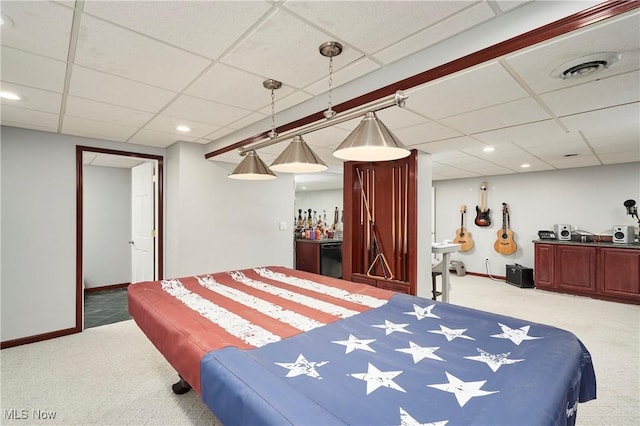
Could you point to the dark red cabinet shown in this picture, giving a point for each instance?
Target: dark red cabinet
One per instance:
(595, 270)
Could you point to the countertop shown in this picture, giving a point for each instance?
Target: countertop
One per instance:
(590, 244)
(320, 241)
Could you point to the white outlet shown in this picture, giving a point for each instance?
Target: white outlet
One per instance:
(283, 226)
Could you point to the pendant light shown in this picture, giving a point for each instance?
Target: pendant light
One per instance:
(252, 168)
(298, 158)
(371, 140)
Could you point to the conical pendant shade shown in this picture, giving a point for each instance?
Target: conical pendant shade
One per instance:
(252, 168)
(371, 141)
(298, 158)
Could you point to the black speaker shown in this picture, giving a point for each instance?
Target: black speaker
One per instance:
(623, 234)
(563, 232)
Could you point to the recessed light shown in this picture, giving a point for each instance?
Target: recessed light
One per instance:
(183, 129)
(9, 95)
(525, 165)
(488, 149)
(6, 20)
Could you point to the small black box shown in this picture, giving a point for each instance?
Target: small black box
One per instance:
(520, 276)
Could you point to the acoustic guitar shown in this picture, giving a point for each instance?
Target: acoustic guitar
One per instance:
(505, 244)
(482, 212)
(463, 237)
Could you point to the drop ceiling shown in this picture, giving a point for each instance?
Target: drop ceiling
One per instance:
(133, 71)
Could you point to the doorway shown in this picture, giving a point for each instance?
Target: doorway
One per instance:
(150, 246)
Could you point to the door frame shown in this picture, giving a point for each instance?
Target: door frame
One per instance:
(80, 150)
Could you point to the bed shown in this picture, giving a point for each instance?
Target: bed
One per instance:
(272, 345)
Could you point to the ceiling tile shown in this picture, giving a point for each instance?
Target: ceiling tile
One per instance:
(30, 19)
(344, 75)
(442, 30)
(606, 145)
(248, 120)
(329, 137)
(424, 133)
(466, 91)
(585, 160)
(619, 157)
(96, 129)
(451, 146)
(550, 151)
(544, 132)
(32, 70)
(352, 21)
(98, 111)
(35, 99)
(203, 111)
(168, 124)
(230, 86)
(204, 27)
(606, 92)
(271, 50)
(157, 139)
(510, 4)
(21, 117)
(619, 123)
(286, 102)
(90, 84)
(443, 171)
(114, 50)
(398, 118)
(503, 115)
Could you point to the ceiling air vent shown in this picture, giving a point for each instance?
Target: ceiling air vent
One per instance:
(586, 65)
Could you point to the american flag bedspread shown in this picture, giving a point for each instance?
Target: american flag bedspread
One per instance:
(359, 355)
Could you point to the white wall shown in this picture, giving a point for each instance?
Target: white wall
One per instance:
(327, 200)
(39, 229)
(589, 198)
(218, 223)
(107, 226)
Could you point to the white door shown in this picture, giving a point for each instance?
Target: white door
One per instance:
(142, 223)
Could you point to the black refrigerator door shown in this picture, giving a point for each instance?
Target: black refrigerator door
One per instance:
(331, 260)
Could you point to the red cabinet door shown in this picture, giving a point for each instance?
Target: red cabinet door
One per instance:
(620, 273)
(575, 268)
(308, 257)
(543, 266)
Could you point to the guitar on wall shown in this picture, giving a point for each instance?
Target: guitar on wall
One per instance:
(463, 237)
(505, 244)
(482, 212)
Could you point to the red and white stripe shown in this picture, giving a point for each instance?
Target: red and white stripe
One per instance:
(273, 310)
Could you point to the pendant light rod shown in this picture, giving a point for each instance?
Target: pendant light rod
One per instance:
(399, 99)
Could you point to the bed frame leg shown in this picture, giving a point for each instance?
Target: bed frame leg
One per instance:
(181, 386)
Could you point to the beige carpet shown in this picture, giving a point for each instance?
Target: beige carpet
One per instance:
(112, 375)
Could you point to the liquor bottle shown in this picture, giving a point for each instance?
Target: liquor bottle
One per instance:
(309, 220)
(300, 223)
